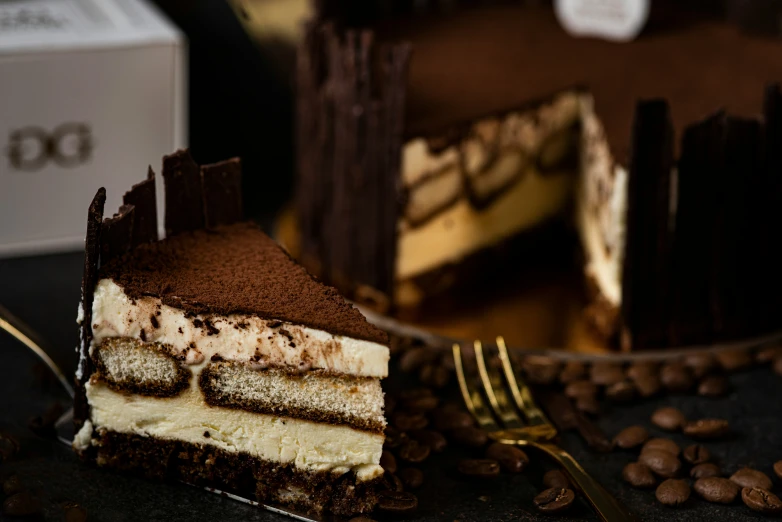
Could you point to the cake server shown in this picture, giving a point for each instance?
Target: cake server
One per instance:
(64, 425)
(504, 424)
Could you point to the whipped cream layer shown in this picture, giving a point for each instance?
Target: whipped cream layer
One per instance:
(235, 337)
(308, 446)
(601, 208)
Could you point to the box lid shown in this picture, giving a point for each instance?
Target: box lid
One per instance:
(62, 25)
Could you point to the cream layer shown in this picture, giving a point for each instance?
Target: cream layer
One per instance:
(462, 229)
(235, 337)
(306, 445)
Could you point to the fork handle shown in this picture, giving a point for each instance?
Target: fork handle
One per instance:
(604, 504)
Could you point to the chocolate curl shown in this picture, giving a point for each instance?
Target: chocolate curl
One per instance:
(88, 282)
(645, 274)
(143, 197)
(117, 234)
(184, 195)
(222, 190)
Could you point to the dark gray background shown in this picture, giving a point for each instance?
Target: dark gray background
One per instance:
(44, 292)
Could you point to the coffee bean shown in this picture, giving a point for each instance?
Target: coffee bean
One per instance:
(734, 360)
(74, 512)
(648, 386)
(700, 363)
(394, 438)
(707, 428)
(412, 478)
(662, 463)
(705, 470)
(541, 369)
(642, 370)
(409, 421)
(554, 500)
(578, 389)
(673, 492)
(415, 358)
(397, 502)
(470, 436)
(573, 371)
(431, 438)
(716, 489)
(421, 404)
(389, 404)
(696, 454)
(414, 451)
(662, 444)
(588, 405)
(751, 478)
(606, 373)
(12, 485)
(388, 461)
(434, 376)
(8, 447)
(362, 519)
(511, 458)
(450, 419)
(482, 468)
(622, 391)
(392, 483)
(768, 354)
(555, 479)
(761, 500)
(668, 418)
(638, 475)
(631, 437)
(778, 468)
(415, 393)
(713, 386)
(676, 377)
(21, 504)
(447, 362)
(777, 365)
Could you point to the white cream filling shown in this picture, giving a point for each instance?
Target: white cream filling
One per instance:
(81, 441)
(602, 230)
(240, 337)
(307, 445)
(462, 229)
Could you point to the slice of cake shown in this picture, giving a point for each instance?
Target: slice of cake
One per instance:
(493, 123)
(211, 357)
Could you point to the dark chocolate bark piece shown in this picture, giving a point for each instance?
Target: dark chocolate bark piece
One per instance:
(222, 188)
(184, 194)
(88, 282)
(116, 235)
(142, 197)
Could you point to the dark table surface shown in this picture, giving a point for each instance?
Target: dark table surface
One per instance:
(44, 292)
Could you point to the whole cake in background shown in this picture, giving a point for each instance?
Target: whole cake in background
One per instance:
(211, 357)
(428, 164)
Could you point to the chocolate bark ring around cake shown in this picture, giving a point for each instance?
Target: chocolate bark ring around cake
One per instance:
(542, 312)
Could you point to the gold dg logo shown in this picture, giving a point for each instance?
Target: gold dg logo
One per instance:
(68, 145)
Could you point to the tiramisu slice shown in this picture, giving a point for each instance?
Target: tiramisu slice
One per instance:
(213, 358)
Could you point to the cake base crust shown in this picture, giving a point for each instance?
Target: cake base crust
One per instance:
(238, 473)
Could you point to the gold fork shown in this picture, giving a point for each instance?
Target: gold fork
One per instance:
(537, 432)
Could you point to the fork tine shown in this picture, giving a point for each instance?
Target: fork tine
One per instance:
(521, 394)
(472, 398)
(495, 391)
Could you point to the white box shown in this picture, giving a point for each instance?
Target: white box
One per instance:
(91, 92)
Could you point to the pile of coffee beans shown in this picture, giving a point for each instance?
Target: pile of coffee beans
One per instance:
(662, 464)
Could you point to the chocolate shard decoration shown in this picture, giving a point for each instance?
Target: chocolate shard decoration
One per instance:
(116, 236)
(645, 274)
(184, 196)
(222, 188)
(702, 156)
(143, 197)
(88, 282)
(349, 142)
